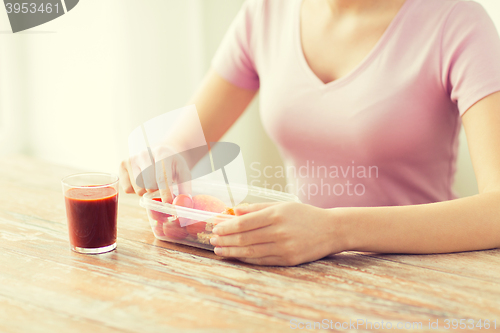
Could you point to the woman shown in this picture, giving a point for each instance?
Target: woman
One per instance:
(371, 83)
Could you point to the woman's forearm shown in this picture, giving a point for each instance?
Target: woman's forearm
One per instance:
(465, 224)
(219, 104)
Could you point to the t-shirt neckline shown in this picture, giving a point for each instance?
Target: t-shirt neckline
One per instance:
(361, 66)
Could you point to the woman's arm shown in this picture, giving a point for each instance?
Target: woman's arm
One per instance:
(290, 234)
(219, 104)
(471, 223)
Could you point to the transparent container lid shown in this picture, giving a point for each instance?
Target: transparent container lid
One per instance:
(220, 191)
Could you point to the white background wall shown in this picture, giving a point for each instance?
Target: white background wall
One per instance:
(72, 89)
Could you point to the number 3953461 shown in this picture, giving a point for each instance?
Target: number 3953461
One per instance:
(27, 8)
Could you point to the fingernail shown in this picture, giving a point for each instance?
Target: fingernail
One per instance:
(215, 230)
(213, 241)
(218, 251)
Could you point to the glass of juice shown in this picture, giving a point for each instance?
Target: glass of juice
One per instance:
(91, 207)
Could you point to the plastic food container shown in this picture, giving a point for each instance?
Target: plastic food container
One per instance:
(165, 218)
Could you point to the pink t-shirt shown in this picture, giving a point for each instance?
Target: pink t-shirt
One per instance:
(385, 134)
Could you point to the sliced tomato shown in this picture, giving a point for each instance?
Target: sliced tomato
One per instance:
(173, 230)
(195, 228)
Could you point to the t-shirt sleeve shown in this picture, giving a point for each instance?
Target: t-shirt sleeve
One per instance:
(471, 55)
(234, 59)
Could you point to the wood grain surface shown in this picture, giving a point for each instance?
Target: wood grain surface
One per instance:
(147, 285)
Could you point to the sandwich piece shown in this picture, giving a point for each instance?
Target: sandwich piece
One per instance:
(204, 237)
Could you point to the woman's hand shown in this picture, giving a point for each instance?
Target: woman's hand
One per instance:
(146, 172)
(219, 104)
(285, 234)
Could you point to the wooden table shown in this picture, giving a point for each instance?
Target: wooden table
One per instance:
(148, 285)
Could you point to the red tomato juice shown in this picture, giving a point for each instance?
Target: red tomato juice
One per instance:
(92, 213)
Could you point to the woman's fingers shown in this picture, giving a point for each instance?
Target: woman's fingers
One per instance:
(155, 169)
(242, 223)
(257, 236)
(252, 251)
(245, 209)
(137, 189)
(183, 175)
(127, 179)
(124, 178)
(143, 168)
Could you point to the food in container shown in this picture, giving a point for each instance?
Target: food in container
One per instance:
(192, 225)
